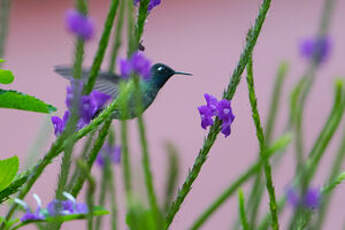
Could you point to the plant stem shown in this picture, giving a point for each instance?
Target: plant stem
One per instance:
(5, 6)
(112, 192)
(117, 37)
(130, 29)
(172, 175)
(142, 16)
(102, 46)
(102, 193)
(262, 143)
(241, 204)
(252, 170)
(215, 129)
(335, 170)
(92, 157)
(257, 190)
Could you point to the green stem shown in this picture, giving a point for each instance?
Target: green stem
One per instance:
(102, 193)
(112, 192)
(241, 204)
(335, 170)
(92, 157)
(130, 29)
(142, 16)
(5, 6)
(102, 46)
(172, 175)
(257, 190)
(85, 169)
(262, 143)
(251, 171)
(146, 158)
(215, 129)
(117, 37)
(127, 178)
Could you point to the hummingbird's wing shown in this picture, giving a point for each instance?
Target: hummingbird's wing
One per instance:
(106, 82)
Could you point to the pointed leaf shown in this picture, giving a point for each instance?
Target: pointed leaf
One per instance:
(6, 76)
(15, 100)
(8, 170)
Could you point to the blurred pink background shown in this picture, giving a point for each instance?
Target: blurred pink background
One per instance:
(202, 37)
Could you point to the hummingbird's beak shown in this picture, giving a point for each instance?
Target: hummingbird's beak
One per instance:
(183, 73)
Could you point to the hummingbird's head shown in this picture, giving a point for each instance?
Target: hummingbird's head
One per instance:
(161, 73)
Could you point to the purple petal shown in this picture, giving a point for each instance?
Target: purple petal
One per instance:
(224, 111)
(226, 128)
(312, 198)
(211, 102)
(117, 154)
(87, 108)
(125, 68)
(99, 98)
(141, 65)
(292, 197)
(81, 208)
(79, 24)
(206, 116)
(32, 216)
(58, 125)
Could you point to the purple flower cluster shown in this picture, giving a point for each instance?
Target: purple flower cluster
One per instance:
(80, 25)
(221, 109)
(318, 49)
(310, 200)
(54, 208)
(88, 106)
(137, 64)
(109, 152)
(152, 4)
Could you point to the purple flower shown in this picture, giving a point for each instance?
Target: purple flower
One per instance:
(212, 102)
(206, 115)
(312, 198)
(66, 207)
(37, 215)
(222, 109)
(318, 49)
(60, 124)
(88, 107)
(152, 4)
(125, 68)
(109, 152)
(141, 65)
(60, 208)
(137, 64)
(73, 90)
(292, 197)
(80, 25)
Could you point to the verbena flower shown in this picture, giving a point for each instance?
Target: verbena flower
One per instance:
(29, 215)
(137, 64)
(66, 207)
(110, 153)
(152, 4)
(310, 200)
(316, 48)
(221, 109)
(80, 25)
(89, 105)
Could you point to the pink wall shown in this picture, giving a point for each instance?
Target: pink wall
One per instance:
(202, 37)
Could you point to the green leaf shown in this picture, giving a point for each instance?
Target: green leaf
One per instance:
(15, 100)
(6, 76)
(2, 60)
(8, 168)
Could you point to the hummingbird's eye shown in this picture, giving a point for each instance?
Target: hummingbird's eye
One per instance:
(160, 69)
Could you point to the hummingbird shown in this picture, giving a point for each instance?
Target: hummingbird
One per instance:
(108, 83)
